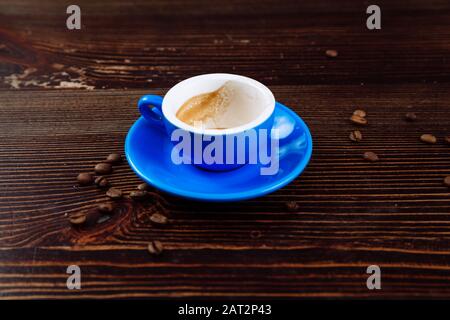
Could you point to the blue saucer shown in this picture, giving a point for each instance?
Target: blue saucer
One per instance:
(148, 149)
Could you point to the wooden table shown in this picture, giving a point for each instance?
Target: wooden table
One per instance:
(67, 99)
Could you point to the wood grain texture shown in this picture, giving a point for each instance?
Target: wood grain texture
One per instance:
(394, 213)
(156, 44)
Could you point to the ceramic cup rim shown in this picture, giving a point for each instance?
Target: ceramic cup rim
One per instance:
(266, 92)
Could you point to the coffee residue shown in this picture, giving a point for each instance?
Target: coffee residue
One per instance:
(205, 109)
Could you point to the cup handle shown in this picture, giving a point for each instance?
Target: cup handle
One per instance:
(150, 108)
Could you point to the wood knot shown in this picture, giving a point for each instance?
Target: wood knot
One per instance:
(99, 226)
(144, 210)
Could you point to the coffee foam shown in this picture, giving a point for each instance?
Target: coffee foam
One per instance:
(231, 105)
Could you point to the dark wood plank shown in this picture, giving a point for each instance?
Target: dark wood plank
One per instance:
(158, 43)
(394, 213)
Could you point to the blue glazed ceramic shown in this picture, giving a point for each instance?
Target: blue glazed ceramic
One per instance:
(162, 112)
(148, 151)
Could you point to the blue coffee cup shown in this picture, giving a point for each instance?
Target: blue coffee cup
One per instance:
(214, 149)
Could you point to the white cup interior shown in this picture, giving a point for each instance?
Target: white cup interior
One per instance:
(191, 87)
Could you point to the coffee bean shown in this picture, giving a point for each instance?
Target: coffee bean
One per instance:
(114, 193)
(428, 138)
(355, 136)
(370, 156)
(360, 113)
(138, 195)
(114, 158)
(92, 216)
(158, 219)
(103, 168)
(331, 53)
(85, 178)
(142, 186)
(358, 120)
(101, 182)
(77, 218)
(107, 207)
(291, 206)
(447, 140)
(410, 116)
(155, 247)
(447, 181)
